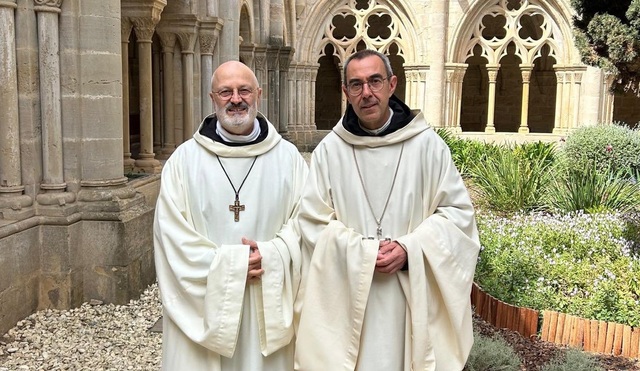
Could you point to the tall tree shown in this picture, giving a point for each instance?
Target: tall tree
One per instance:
(607, 35)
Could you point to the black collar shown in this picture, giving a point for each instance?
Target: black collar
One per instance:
(209, 130)
(402, 116)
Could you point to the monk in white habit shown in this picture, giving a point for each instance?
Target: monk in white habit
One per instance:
(226, 252)
(389, 239)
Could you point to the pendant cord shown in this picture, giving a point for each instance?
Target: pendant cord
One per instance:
(237, 192)
(366, 195)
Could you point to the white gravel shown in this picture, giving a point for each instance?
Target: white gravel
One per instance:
(92, 337)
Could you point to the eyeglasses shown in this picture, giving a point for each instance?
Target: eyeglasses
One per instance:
(354, 88)
(228, 93)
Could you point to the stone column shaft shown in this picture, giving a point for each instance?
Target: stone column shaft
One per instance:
(144, 28)
(10, 177)
(50, 106)
(168, 41)
(128, 162)
(524, 113)
(493, 74)
(285, 93)
(157, 103)
(273, 78)
(577, 96)
(208, 37)
(557, 126)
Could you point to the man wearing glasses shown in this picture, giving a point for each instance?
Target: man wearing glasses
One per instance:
(226, 252)
(389, 238)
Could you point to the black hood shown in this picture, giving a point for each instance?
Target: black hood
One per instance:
(402, 116)
(208, 130)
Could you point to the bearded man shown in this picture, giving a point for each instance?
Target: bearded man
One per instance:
(226, 252)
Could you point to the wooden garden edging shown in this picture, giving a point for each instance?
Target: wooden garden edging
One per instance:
(559, 328)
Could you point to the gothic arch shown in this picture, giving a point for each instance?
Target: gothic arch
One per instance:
(555, 31)
(247, 30)
(516, 46)
(313, 35)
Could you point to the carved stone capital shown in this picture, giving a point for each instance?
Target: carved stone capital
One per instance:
(208, 35)
(167, 40)
(187, 40)
(272, 59)
(125, 29)
(144, 28)
(47, 6)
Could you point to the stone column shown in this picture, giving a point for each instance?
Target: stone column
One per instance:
(557, 126)
(454, 73)
(144, 29)
(157, 102)
(126, 28)
(567, 112)
(525, 70)
(292, 119)
(208, 36)
(11, 188)
(458, 80)
(607, 98)
(260, 60)
(229, 40)
(53, 183)
(168, 41)
(492, 70)
(438, 25)
(247, 56)
(273, 94)
(577, 95)
(186, 28)
(285, 94)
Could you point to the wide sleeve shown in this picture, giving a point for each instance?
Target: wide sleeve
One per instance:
(338, 286)
(201, 284)
(442, 253)
(281, 261)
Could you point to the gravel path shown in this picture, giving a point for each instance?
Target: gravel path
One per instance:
(92, 337)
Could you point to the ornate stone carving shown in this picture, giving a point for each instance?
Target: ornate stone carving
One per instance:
(168, 41)
(49, 3)
(125, 29)
(187, 40)
(144, 28)
(260, 61)
(207, 42)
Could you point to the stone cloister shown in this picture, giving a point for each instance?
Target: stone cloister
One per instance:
(97, 93)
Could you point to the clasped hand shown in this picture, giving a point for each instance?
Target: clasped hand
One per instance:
(254, 271)
(391, 257)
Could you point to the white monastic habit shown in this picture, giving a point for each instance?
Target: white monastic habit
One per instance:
(353, 318)
(212, 318)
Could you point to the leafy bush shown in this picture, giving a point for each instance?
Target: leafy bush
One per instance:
(514, 179)
(466, 152)
(573, 360)
(491, 354)
(592, 191)
(577, 263)
(608, 147)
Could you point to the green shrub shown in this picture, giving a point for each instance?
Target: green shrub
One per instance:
(577, 263)
(466, 152)
(573, 360)
(591, 190)
(611, 147)
(514, 179)
(491, 354)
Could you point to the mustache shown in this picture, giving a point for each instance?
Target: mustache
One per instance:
(231, 105)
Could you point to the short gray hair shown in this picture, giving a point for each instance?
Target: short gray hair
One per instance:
(361, 54)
